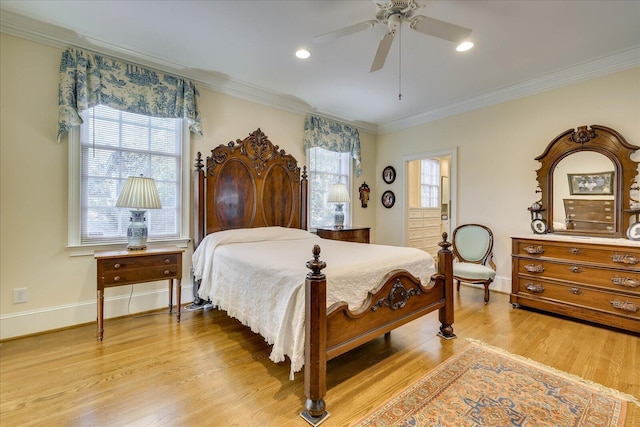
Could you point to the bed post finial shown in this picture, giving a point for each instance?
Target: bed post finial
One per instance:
(315, 341)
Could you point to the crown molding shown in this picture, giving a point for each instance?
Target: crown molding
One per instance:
(600, 67)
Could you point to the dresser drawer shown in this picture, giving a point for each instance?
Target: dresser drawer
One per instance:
(416, 243)
(415, 213)
(623, 258)
(432, 232)
(582, 296)
(416, 233)
(615, 280)
(415, 223)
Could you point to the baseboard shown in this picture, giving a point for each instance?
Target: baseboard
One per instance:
(51, 318)
(500, 284)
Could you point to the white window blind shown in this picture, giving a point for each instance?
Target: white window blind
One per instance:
(115, 145)
(430, 183)
(326, 168)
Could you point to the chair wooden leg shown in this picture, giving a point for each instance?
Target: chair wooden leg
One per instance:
(486, 292)
(458, 287)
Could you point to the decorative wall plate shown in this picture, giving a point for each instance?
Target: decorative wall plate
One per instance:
(633, 232)
(389, 174)
(539, 226)
(388, 199)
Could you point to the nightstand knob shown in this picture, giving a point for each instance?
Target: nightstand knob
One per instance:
(116, 279)
(167, 261)
(166, 272)
(116, 266)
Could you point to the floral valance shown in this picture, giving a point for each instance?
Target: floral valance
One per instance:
(88, 79)
(332, 136)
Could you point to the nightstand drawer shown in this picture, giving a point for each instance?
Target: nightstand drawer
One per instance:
(126, 263)
(139, 275)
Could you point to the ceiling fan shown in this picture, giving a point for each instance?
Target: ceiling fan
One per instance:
(392, 14)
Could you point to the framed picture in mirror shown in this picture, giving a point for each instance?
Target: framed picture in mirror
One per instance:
(591, 183)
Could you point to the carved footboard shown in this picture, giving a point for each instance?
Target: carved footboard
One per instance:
(398, 300)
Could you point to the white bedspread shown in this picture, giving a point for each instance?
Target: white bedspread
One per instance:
(257, 276)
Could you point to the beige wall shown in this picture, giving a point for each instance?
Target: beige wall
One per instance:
(496, 147)
(34, 181)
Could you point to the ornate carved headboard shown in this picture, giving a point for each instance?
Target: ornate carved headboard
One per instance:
(248, 183)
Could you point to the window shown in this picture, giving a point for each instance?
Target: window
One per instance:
(326, 168)
(110, 146)
(430, 183)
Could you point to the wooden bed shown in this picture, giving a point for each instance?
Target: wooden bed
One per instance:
(253, 183)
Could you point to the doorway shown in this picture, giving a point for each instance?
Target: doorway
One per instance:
(427, 215)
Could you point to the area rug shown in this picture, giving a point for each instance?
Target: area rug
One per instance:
(486, 386)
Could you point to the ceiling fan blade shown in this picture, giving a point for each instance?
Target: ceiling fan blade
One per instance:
(345, 31)
(383, 51)
(441, 29)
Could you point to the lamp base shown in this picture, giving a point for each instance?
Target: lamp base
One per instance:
(338, 217)
(137, 232)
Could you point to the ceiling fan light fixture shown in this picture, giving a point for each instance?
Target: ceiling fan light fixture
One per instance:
(303, 54)
(464, 46)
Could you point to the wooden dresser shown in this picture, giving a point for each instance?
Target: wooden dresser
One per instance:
(423, 229)
(589, 214)
(594, 279)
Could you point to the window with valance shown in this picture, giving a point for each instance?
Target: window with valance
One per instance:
(331, 149)
(124, 120)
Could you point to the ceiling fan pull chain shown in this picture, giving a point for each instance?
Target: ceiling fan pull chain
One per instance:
(400, 63)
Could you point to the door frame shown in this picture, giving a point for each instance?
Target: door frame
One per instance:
(453, 186)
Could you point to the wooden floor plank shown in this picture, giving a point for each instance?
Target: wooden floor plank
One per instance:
(211, 370)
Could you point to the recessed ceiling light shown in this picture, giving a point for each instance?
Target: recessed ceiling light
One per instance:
(303, 54)
(464, 46)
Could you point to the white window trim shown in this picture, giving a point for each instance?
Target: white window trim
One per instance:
(78, 249)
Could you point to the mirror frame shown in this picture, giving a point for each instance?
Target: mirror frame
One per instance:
(600, 139)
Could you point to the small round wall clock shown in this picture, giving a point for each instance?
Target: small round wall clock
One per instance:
(389, 174)
(388, 199)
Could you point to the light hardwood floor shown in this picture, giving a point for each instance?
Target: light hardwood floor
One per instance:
(210, 370)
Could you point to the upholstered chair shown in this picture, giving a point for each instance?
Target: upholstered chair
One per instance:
(473, 256)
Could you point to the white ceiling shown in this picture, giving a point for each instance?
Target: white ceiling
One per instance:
(246, 48)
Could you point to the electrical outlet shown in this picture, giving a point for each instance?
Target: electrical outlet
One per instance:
(19, 295)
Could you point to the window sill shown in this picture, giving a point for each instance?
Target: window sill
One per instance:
(87, 250)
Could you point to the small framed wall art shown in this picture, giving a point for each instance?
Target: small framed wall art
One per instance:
(389, 174)
(388, 199)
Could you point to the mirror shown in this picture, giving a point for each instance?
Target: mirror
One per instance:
(583, 194)
(585, 181)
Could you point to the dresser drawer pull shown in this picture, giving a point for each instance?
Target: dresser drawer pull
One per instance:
(575, 251)
(167, 260)
(532, 250)
(625, 259)
(537, 268)
(116, 266)
(575, 291)
(575, 269)
(166, 272)
(625, 281)
(116, 279)
(625, 305)
(535, 288)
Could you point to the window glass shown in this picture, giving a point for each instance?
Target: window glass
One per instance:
(430, 183)
(326, 168)
(115, 145)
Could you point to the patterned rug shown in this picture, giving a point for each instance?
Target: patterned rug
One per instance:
(486, 386)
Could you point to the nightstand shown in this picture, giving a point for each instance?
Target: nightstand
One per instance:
(346, 234)
(124, 267)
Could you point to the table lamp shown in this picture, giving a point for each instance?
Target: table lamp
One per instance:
(339, 195)
(139, 194)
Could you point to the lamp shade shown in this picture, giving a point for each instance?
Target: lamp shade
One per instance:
(139, 193)
(338, 194)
